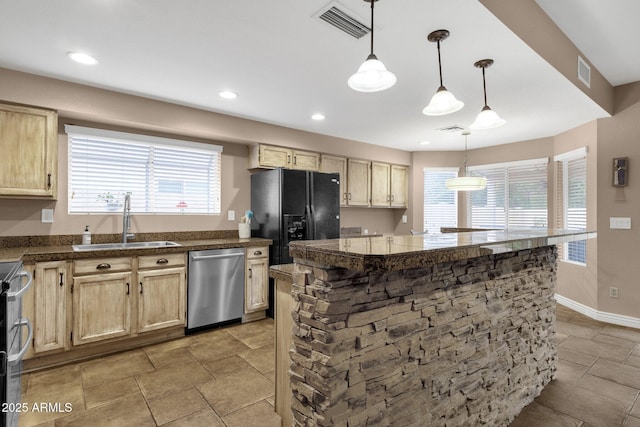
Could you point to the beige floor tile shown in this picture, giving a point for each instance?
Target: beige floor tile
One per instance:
(570, 372)
(271, 375)
(633, 360)
(616, 372)
(536, 415)
(575, 330)
(217, 347)
(60, 375)
(226, 366)
(586, 405)
(204, 418)
(263, 358)
(609, 351)
(576, 356)
(237, 390)
(173, 406)
(115, 367)
(170, 357)
(258, 414)
(629, 334)
(621, 393)
(631, 422)
(107, 392)
(635, 411)
(51, 392)
(121, 413)
(616, 341)
(172, 379)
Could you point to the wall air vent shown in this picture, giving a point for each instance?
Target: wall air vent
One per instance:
(584, 71)
(336, 15)
(451, 128)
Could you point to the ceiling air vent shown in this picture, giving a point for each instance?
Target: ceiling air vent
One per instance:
(451, 128)
(337, 16)
(584, 71)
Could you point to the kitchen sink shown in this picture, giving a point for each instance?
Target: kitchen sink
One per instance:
(128, 245)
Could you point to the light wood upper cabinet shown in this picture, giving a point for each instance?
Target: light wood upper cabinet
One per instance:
(271, 156)
(380, 184)
(29, 140)
(256, 290)
(335, 164)
(399, 186)
(50, 298)
(162, 292)
(358, 182)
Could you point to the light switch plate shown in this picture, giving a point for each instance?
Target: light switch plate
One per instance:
(231, 215)
(621, 223)
(47, 216)
(404, 219)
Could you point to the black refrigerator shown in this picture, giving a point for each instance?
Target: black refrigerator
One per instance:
(291, 205)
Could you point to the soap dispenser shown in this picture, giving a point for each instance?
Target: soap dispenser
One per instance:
(86, 236)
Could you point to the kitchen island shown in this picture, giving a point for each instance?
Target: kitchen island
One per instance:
(438, 330)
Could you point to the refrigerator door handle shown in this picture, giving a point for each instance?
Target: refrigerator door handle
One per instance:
(310, 226)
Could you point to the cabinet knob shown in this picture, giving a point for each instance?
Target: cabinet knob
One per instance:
(257, 253)
(162, 261)
(103, 266)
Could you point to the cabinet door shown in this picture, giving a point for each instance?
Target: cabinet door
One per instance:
(101, 307)
(50, 317)
(274, 157)
(256, 289)
(305, 160)
(358, 182)
(161, 299)
(380, 184)
(333, 164)
(29, 140)
(399, 186)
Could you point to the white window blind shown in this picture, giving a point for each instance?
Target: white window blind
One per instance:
(572, 201)
(163, 176)
(515, 196)
(440, 204)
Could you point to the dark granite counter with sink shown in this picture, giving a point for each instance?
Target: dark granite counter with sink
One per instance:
(436, 329)
(60, 247)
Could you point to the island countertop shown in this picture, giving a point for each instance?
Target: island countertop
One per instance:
(379, 254)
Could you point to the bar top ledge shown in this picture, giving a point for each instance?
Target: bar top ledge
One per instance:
(393, 253)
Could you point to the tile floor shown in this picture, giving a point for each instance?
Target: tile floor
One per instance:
(225, 377)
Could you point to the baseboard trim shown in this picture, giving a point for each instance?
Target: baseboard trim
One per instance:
(616, 319)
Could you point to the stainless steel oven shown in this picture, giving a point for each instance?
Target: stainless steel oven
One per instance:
(15, 283)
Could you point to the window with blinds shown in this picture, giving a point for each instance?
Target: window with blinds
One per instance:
(572, 201)
(162, 175)
(515, 195)
(440, 204)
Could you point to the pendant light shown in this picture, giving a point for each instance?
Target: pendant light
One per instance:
(443, 102)
(466, 182)
(487, 118)
(372, 76)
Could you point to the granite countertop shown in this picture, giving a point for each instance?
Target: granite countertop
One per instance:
(379, 254)
(282, 272)
(41, 250)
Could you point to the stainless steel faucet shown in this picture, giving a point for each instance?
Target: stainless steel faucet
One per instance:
(126, 219)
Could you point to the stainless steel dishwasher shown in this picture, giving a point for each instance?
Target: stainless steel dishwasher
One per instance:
(216, 288)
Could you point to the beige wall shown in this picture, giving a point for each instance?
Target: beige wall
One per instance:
(83, 105)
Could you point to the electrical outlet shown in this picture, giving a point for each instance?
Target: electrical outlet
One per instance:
(404, 219)
(47, 216)
(231, 215)
(613, 292)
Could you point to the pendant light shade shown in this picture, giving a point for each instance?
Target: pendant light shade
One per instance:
(466, 182)
(443, 102)
(372, 76)
(487, 118)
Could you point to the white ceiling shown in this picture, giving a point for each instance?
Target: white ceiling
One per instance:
(286, 64)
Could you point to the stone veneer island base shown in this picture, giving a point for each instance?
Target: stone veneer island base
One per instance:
(458, 334)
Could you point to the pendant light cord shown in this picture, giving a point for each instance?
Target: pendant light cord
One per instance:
(465, 155)
(439, 63)
(484, 87)
(372, 2)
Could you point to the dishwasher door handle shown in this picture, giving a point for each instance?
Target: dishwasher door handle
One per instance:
(201, 257)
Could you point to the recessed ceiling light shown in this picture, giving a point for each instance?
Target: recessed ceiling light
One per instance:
(318, 116)
(227, 94)
(425, 142)
(82, 58)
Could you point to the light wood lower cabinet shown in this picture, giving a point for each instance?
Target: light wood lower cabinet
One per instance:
(101, 307)
(162, 292)
(50, 288)
(256, 289)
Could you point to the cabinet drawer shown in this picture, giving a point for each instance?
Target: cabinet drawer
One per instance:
(259, 252)
(101, 265)
(161, 261)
